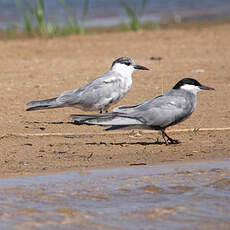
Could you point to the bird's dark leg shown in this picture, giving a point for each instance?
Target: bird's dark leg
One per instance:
(172, 141)
(106, 109)
(101, 111)
(164, 135)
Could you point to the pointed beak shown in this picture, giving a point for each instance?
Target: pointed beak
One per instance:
(140, 67)
(204, 87)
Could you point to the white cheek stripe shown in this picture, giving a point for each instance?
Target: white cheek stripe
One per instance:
(124, 70)
(191, 88)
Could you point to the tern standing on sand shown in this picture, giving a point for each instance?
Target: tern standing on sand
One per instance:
(98, 94)
(158, 113)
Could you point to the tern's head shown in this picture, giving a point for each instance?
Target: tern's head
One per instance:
(124, 66)
(191, 85)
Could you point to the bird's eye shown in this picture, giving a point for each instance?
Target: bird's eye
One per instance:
(128, 63)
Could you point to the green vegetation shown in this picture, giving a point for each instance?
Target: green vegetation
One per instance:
(133, 14)
(35, 23)
(73, 26)
(36, 14)
(27, 21)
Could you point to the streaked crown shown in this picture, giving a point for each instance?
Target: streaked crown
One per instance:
(124, 60)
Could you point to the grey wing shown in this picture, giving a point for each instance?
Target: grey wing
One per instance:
(162, 111)
(97, 93)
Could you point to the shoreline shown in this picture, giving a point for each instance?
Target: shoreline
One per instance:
(86, 171)
(146, 26)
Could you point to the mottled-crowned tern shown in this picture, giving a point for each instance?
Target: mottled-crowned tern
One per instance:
(98, 94)
(158, 113)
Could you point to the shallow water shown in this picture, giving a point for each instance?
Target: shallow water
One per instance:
(157, 11)
(172, 196)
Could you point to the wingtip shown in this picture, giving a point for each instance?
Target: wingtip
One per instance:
(30, 109)
(72, 116)
(30, 103)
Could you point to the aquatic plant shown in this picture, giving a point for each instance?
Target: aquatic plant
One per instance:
(36, 24)
(27, 21)
(73, 26)
(35, 12)
(133, 14)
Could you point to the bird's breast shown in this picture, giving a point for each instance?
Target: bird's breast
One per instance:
(125, 84)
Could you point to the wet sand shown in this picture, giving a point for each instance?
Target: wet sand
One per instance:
(40, 68)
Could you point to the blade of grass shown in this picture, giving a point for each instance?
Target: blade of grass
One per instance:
(39, 15)
(132, 15)
(26, 18)
(73, 21)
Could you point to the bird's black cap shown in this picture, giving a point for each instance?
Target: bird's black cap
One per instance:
(186, 81)
(191, 81)
(124, 60)
(128, 61)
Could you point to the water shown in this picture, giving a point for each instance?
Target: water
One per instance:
(172, 196)
(108, 13)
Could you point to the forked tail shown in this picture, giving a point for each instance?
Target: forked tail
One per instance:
(43, 104)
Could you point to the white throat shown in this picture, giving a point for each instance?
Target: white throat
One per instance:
(191, 88)
(123, 70)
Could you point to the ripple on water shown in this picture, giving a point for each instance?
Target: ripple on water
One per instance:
(172, 196)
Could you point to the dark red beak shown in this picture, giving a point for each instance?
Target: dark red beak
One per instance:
(204, 87)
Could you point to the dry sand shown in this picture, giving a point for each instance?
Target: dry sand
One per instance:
(40, 68)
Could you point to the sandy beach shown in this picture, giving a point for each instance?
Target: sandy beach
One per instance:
(46, 141)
